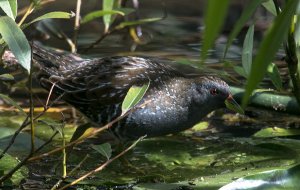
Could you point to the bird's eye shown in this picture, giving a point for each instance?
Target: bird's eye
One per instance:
(214, 91)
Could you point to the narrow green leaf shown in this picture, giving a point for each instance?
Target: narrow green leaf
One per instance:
(269, 46)
(107, 5)
(270, 6)
(12, 102)
(137, 22)
(103, 149)
(297, 30)
(274, 75)
(297, 33)
(247, 50)
(96, 14)
(16, 41)
(125, 11)
(56, 14)
(9, 7)
(240, 70)
(7, 77)
(213, 20)
(134, 95)
(247, 13)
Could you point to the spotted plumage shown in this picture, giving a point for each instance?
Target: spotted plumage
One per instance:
(97, 87)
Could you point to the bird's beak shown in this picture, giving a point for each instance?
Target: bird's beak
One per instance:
(233, 105)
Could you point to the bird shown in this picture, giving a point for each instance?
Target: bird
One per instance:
(177, 98)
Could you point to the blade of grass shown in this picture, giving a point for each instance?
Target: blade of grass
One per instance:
(55, 14)
(247, 50)
(96, 14)
(274, 75)
(215, 14)
(137, 22)
(270, 6)
(247, 13)
(107, 5)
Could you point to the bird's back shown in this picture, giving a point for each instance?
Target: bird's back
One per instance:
(96, 87)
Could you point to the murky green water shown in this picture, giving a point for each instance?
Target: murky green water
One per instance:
(210, 155)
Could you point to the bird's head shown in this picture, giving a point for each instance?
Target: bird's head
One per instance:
(212, 93)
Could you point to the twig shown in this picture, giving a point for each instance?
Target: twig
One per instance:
(64, 159)
(31, 109)
(77, 24)
(102, 166)
(49, 94)
(23, 10)
(27, 13)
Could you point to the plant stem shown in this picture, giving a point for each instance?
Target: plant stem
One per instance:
(31, 110)
(27, 13)
(77, 24)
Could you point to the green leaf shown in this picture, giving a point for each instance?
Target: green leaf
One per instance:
(270, 6)
(125, 11)
(56, 14)
(9, 7)
(134, 95)
(240, 70)
(12, 102)
(269, 46)
(6, 164)
(16, 41)
(297, 33)
(246, 15)
(56, 126)
(107, 5)
(103, 149)
(269, 180)
(247, 50)
(213, 20)
(137, 22)
(7, 77)
(96, 14)
(274, 75)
